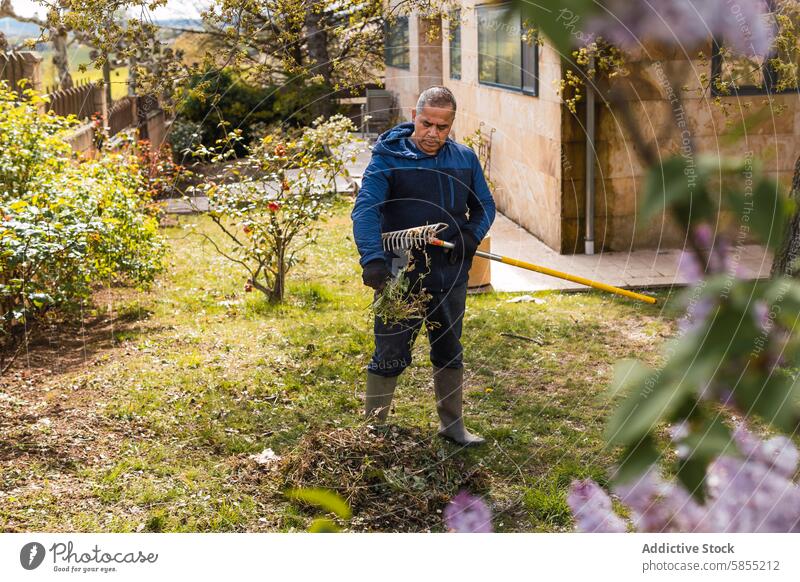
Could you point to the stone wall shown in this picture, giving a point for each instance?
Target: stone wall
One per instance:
(525, 155)
(619, 173)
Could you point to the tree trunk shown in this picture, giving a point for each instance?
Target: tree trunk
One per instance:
(790, 248)
(60, 58)
(319, 58)
(279, 288)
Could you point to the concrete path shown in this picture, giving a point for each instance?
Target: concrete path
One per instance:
(636, 269)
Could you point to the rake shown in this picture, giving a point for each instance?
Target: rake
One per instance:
(418, 237)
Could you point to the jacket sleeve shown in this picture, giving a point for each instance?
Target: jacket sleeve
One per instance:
(366, 214)
(480, 203)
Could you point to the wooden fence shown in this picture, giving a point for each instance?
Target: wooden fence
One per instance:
(15, 66)
(80, 100)
(121, 115)
(142, 113)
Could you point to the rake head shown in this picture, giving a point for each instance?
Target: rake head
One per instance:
(411, 238)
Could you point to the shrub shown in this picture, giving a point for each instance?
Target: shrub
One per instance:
(285, 186)
(157, 168)
(184, 135)
(219, 97)
(66, 224)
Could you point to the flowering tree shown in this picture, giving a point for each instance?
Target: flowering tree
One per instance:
(282, 188)
(749, 490)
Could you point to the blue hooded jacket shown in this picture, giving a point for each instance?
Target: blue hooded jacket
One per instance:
(404, 187)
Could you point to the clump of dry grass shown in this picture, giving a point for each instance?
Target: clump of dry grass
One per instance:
(399, 301)
(393, 478)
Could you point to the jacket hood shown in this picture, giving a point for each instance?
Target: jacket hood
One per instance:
(395, 142)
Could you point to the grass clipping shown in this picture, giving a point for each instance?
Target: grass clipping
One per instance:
(395, 479)
(398, 303)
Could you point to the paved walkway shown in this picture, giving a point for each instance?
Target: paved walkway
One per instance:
(634, 270)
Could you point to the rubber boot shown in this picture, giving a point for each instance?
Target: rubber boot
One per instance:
(380, 391)
(448, 383)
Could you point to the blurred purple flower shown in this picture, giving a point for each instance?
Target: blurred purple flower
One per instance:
(752, 493)
(467, 514)
(778, 453)
(689, 267)
(747, 496)
(761, 315)
(686, 23)
(660, 506)
(719, 255)
(592, 509)
(703, 235)
(696, 313)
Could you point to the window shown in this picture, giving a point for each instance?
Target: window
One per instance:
(505, 59)
(735, 74)
(455, 43)
(396, 51)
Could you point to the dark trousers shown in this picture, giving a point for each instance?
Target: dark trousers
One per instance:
(393, 343)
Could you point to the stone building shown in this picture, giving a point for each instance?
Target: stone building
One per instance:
(510, 89)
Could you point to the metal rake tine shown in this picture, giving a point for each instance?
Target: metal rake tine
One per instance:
(411, 238)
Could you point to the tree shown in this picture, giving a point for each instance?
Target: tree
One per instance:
(328, 44)
(58, 36)
(785, 257)
(736, 344)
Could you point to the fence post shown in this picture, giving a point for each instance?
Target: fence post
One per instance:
(99, 103)
(31, 69)
(15, 66)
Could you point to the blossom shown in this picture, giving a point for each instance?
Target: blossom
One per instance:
(467, 514)
(591, 507)
(273, 206)
(660, 506)
(741, 23)
(753, 492)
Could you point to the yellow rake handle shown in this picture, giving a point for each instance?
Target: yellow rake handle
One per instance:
(552, 273)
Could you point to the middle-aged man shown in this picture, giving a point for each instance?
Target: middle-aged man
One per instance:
(417, 176)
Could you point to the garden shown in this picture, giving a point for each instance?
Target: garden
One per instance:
(203, 372)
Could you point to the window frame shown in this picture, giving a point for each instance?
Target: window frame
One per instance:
(771, 76)
(406, 48)
(769, 73)
(534, 47)
(455, 15)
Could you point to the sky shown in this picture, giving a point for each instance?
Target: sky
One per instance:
(173, 9)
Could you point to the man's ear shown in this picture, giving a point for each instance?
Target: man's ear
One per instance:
(413, 113)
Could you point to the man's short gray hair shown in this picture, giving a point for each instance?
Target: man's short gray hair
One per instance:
(436, 96)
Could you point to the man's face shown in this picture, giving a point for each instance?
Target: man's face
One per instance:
(431, 127)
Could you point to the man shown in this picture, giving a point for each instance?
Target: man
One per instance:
(417, 176)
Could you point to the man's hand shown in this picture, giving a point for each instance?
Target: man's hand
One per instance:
(466, 245)
(376, 274)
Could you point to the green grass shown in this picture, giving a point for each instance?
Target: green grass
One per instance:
(79, 55)
(200, 374)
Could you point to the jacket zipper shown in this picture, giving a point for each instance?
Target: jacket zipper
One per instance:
(452, 193)
(441, 209)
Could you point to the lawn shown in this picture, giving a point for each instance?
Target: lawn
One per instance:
(79, 55)
(143, 415)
